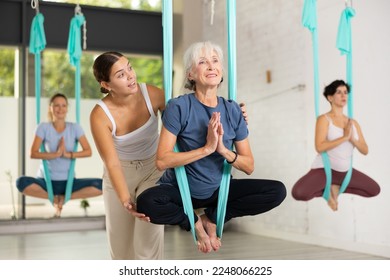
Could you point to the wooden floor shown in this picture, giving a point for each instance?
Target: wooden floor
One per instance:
(179, 245)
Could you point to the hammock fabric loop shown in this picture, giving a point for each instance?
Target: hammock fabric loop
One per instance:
(75, 53)
(36, 46)
(344, 44)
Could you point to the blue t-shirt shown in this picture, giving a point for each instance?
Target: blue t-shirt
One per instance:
(58, 167)
(188, 119)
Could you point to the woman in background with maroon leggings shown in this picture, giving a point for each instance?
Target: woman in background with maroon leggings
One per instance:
(337, 135)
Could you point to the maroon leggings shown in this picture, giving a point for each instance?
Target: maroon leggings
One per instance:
(313, 183)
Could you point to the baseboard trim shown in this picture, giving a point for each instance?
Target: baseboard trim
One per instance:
(51, 225)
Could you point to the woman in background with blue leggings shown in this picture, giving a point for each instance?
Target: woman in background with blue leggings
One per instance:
(59, 136)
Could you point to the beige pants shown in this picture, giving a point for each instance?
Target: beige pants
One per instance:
(130, 238)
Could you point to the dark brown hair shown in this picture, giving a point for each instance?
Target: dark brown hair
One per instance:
(102, 67)
(332, 88)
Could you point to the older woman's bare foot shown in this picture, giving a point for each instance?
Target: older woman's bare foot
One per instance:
(211, 230)
(204, 244)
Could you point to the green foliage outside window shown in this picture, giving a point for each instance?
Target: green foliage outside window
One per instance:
(7, 70)
(59, 75)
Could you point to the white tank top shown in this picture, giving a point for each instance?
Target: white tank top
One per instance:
(340, 156)
(141, 143)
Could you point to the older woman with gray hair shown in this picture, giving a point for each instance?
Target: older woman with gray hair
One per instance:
(205, 126)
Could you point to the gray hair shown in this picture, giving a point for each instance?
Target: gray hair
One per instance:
(192, 55)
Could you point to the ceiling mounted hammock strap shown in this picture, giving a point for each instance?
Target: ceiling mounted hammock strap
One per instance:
(344, 44)
(180, 171)
(75, 53)
(232, 93)
(309, 20)
(167, 17)
(36, 46)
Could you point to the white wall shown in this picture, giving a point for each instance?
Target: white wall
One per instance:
(282, 118)
(9, 148)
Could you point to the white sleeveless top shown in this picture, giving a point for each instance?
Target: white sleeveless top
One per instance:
(141, 143)
(340, 156)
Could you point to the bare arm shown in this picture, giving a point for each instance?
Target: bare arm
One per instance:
(321, 142)
(167, 158)
(244, 161)
(35, 152)
(360, 144)
(85, 152)
(244, 112)
(101, 131)
(157, 98)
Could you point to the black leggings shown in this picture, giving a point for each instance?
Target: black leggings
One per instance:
(313, 183)
(163, 203)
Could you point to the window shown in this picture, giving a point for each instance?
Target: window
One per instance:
(7, 70)
(9, 125)
(58, 74)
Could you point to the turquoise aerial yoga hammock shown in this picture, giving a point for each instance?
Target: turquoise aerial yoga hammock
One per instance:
(232, 93)
(75, 52)
(344, 43)
(36, 46)
(180, 170)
